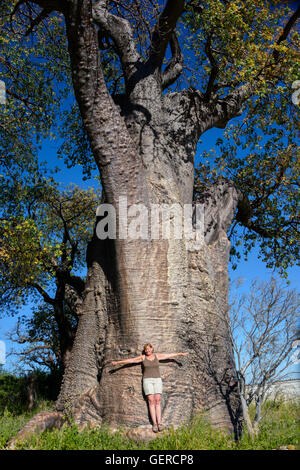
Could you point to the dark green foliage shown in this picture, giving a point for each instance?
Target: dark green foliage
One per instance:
(14, 389)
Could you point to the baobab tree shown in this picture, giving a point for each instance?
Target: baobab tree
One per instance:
(170, 292)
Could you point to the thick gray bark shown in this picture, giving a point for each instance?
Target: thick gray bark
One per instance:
(208, 298)
(172, 293)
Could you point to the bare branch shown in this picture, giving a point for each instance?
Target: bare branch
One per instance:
(38, 351)
(47, 6)
(174, 68)
(214, 69)
(121, 33)
(163, 30)
(263, 325)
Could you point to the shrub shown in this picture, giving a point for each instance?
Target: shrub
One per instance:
(14, 389)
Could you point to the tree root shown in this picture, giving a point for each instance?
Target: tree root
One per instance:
(52, 419)
(38, 423)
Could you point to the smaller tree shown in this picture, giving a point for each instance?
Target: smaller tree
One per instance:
(263, 328)
(39, 339)
(43, 244)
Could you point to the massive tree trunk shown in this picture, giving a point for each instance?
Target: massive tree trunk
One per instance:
(170, 292)
(167, 291)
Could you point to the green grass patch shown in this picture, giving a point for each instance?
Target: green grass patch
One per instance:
(281, 427)
(12, 422)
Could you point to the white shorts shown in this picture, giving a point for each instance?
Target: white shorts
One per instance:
(152, 386)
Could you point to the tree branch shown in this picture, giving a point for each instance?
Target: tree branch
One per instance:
(244, 216)
(231, 105)
(44, 294)
(38, 19)
(286, 31)
(47, 5)
(214, 69)
(174, 68)
(121, 33)
(218, 111)
(162, 32)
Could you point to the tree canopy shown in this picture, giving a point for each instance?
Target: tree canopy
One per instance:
(259, 151)
(46, 240)
(215, 48)
(44, 228)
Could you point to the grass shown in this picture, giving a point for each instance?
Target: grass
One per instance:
(280, 428)
(11, 423)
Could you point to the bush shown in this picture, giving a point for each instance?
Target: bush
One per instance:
(13, 396)
(14, 389)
